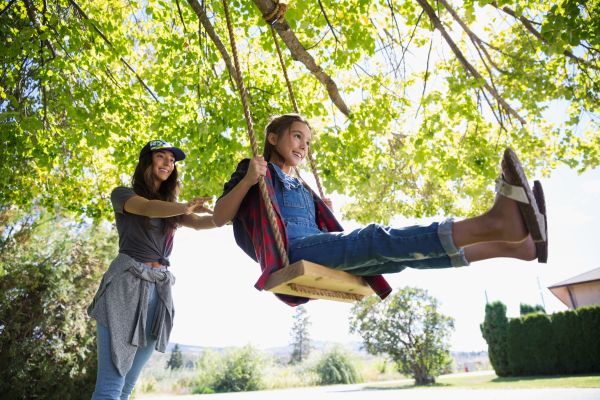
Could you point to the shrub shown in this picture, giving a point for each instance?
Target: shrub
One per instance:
(335, 367)
(540, 344)
(517, 348)
(561, 343)
(201, 389)
(529, 309)
(531, 348)
(569, 343)
(207, 366)
(49, 270)
(241, 372)
(590, 326)
(495, 332)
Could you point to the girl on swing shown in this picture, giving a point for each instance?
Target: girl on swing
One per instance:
(513, 227)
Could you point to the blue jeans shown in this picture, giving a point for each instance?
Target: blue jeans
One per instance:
(109, 384)
(377, 249)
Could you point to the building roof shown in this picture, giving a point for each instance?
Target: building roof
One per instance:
(593, 275)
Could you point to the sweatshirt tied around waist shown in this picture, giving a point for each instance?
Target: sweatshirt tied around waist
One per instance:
(121, 305)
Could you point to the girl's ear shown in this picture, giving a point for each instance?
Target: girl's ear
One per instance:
(272, 138)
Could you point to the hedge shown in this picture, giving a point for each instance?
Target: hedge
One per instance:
(539, 344)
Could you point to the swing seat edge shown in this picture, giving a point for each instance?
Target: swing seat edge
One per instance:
(308, 279)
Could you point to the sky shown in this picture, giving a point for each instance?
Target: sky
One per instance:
(217, 305)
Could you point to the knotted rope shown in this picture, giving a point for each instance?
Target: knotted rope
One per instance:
(276, 13)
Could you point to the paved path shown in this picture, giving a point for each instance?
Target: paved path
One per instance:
(362, 392)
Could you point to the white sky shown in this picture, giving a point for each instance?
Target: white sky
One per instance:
(217, 305)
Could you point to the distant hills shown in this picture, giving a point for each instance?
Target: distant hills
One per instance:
(355, 347)
(471, 360)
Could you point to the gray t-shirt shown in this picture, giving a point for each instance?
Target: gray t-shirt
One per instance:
(141, 238)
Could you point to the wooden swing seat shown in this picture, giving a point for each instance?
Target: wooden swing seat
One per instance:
(307, 279)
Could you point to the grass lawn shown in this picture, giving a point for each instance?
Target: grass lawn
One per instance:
(491, 381)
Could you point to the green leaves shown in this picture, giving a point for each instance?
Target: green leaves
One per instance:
(424, 136)
(408, 328)
(49, 269)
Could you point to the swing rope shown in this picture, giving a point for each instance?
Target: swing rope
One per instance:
(261, 180)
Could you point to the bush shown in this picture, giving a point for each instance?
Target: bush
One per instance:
(564, 342)
(335, 367)
(49, 271)
(567, 334)
(541, 349)
(241, 372)
(590, 326)
(495, 332)
(201, 389)
(207, 366)
(531, 348)
(517, 350)
(529, 309)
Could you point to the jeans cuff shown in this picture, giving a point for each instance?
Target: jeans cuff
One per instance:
(457, 256)
(459, 260)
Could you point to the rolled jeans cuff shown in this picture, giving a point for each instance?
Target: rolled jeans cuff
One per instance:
(457, 256)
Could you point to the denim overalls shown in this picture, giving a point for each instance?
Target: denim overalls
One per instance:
(370, 250)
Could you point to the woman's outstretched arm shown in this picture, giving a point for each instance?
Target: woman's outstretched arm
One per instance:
(162, 209)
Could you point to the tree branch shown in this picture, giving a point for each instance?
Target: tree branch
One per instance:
(425, 78)
(10, 3)
(527, 24)
(38, 27)
(181, 16)
(210, 30)
(477, 42)
(437, 23)
(327, 20)
(299, 53)
(139, 79)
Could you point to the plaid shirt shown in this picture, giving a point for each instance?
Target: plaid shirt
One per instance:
(253, 234)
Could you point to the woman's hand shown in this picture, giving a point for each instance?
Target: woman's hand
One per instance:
(328, 202)
(197, 205)
(256, 168)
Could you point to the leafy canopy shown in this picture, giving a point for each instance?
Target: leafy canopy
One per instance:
(436, 91)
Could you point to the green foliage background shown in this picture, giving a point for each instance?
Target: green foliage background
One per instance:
(423, 136)
(49, 270)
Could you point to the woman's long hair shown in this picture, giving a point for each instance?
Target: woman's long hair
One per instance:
(142, 182)
(278, 125)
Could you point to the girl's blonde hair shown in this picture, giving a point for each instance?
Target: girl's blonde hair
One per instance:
(278, 125)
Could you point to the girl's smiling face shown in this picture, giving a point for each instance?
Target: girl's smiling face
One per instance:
(163, 162)
(291, 146)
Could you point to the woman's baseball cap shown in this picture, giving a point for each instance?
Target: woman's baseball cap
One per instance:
(154, 145)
